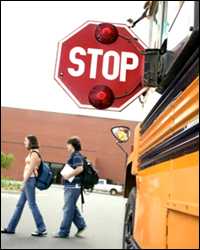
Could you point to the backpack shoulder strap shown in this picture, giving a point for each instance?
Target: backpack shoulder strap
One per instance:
(37, 154)
(82, 198)
(84, 157)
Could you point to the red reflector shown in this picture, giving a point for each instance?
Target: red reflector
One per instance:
(106, 33)
(101, 97)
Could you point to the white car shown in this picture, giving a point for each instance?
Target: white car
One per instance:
(106, 186)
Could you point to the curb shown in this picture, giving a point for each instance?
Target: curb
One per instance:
(9, 191)
(18, 191)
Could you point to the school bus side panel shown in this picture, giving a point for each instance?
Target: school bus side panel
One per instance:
(151, 213)
(173, 180)
(182, 217)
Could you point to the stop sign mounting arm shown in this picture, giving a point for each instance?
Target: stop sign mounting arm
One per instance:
(130, 40)
(127, 93)
(133, 23)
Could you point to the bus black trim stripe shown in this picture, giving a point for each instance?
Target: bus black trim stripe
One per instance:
(186, 141)
(179, 151)
(178, 137)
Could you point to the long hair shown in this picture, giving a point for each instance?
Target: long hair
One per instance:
(33, 142)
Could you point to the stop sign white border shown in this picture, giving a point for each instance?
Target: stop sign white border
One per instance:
(68, 91)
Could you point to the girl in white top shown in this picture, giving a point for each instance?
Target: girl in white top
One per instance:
(32, 163)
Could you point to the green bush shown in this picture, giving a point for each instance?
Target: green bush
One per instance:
(3, 159)
(10, 184)
(6, 160)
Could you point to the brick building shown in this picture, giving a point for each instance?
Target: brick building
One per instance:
(52, 130)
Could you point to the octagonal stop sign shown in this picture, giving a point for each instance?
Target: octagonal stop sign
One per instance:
(102, 64)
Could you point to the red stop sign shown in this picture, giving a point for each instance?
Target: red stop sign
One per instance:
(84, 62)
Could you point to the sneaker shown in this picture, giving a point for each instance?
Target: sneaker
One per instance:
(57, 235)
(39, 234)
(5, 231)
(80, 232)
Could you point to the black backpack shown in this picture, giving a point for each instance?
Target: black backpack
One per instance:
(89, 177)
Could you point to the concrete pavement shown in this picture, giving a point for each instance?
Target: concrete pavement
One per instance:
(103, 213)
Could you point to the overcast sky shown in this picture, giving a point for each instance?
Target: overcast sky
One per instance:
(30, 33)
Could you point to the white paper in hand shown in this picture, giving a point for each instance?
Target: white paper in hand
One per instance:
(67, 170)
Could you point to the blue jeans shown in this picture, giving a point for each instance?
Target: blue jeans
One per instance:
(28, 194)
(71, 212)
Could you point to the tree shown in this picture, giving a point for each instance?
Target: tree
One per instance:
(6, 160)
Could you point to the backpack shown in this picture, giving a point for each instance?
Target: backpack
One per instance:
(89, 177)
(45, 175)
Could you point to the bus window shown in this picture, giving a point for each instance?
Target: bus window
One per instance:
(180, 19)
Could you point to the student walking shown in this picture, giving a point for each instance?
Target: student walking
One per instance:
(72, 190)
(32, 163)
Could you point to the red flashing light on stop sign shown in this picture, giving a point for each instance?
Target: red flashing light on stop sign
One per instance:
(106, 33)
(101, 97)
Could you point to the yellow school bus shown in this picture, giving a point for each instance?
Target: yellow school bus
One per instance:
(161, 183)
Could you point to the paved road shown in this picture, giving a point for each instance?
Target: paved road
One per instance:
(104, 215)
